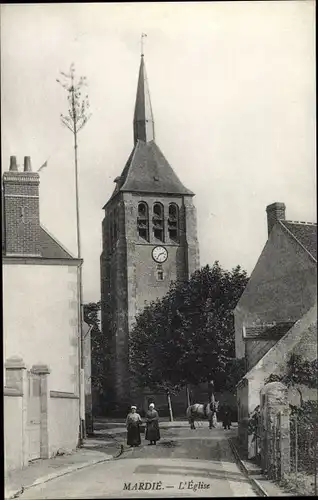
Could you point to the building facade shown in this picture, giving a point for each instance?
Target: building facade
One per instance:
(277, 312)
(40, 328)
(149, 238)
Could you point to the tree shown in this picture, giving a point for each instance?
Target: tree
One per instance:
(187, 337)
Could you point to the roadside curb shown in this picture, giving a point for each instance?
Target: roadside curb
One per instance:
(63, 472)
(257, 486)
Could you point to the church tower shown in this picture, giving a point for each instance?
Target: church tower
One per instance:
(149, 238)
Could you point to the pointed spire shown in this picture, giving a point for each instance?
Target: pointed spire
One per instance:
(144, 127)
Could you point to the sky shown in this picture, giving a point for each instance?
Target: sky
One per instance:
(232, 86)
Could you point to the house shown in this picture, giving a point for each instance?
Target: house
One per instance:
(276, 313)
(40, 328)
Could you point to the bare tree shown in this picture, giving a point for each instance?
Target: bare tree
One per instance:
(77, 116)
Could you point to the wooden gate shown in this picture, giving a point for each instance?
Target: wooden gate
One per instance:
(34, 416)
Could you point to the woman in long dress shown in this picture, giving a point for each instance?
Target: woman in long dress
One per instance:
(152, 429)
(133, 422)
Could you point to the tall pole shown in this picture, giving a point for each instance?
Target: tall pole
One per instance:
(82, 430)
(78, 116)
(76, 176)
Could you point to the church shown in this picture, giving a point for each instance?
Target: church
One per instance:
(149, 239)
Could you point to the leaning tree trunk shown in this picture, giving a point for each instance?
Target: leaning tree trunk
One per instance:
(188, 396)
(170, 406)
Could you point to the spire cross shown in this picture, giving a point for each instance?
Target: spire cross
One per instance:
(143, 35)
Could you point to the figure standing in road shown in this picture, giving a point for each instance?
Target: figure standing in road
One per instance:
(133, 423)
(226, 417)
(152, 429)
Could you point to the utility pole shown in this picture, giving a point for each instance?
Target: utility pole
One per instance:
(77, 117)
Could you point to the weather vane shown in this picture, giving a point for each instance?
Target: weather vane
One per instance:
(143, 35)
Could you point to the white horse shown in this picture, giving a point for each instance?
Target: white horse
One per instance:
(199, 411)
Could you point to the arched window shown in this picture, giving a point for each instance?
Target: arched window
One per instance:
(143, 220)
(173, 222)
(158, 221)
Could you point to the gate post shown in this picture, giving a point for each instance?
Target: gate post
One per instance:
(16, 377)
(273, 399)
(43, 371)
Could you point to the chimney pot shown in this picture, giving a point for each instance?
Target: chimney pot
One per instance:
(27, 164)
(275, 212)
(13, 164)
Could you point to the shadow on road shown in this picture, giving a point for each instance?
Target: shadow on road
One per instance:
(183, 470)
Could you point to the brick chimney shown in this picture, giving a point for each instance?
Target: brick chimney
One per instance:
(275, 212)
(21, 210)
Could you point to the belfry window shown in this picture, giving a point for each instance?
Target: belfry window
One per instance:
(158, 221)
(173, 222)
(143, 220)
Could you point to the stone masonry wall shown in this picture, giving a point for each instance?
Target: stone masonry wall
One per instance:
(129, 274)
(282, 287)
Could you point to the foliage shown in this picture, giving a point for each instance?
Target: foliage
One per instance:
(235, 370)
(99, 351)
(187, 337)
(307, 413)
(253, 422)
(299, 371)
(273, 378)
(303, 433)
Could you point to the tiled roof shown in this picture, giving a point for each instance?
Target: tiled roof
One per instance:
(147, 170)
(51, 248)
(270, 331)
(274, 359)
(304, 233)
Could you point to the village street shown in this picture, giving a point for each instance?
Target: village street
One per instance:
(183, 463)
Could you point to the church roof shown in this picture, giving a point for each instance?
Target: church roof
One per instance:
(305, 233)
(147, 170)
(144, 126)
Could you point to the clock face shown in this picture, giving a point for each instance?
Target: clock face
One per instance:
(159, 254)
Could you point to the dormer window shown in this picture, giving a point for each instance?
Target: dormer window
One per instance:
(143, 221)
(173, 222)
(158, 221)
